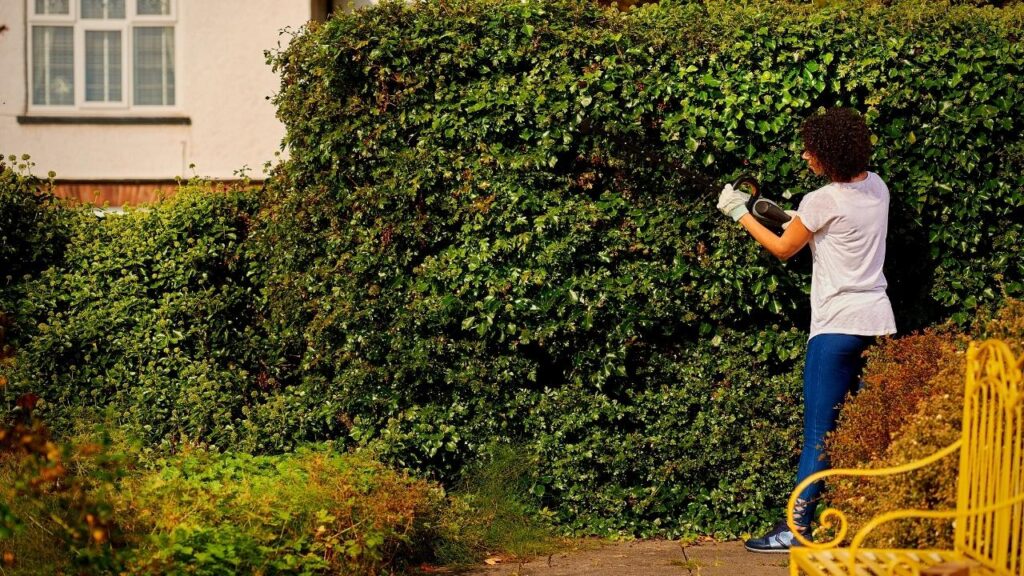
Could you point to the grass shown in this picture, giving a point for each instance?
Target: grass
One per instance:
(34, 549)
(494, 513)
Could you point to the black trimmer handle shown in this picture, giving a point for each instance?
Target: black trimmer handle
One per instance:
(767, 212)
(749, 181)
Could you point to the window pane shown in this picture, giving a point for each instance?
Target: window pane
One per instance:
(52, 6)
(154, 66)
(102, 66)
(53, 73)
(102, 8)
(154, 7)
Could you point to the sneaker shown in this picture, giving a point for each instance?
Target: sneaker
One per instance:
(778, 541)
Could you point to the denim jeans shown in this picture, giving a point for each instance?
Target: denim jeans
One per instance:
(832, 370)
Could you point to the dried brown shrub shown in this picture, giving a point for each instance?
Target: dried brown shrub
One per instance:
(897, 379)
(934, 424)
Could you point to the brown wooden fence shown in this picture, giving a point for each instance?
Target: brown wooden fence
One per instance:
(121, 193)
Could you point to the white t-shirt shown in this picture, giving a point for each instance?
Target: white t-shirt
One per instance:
(849, 221)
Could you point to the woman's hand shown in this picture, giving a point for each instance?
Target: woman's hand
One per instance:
(732, 202)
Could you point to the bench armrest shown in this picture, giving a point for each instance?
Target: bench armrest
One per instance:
(831, 513)
(858, 539)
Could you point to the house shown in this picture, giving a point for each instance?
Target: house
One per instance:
(121, 97)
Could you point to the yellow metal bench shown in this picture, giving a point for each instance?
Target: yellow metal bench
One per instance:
(989, 517)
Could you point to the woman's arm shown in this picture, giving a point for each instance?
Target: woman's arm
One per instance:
(795, 237)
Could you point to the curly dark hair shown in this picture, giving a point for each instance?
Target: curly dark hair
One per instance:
(840, 140)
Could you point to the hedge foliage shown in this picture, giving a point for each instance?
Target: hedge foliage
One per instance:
(33, 235)
(152, 313)
(898, 376)
(513, 206)
(497, 223)
(32, 226)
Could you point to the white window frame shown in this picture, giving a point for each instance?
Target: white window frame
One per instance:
(132, 20)
(101, 26)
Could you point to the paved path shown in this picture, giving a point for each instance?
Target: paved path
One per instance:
(647, 558)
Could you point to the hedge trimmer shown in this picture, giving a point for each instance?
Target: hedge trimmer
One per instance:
(767, 212)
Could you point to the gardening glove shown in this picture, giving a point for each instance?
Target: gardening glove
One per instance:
(732, 202)
(792, 214)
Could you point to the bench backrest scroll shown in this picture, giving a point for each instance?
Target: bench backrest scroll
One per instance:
(992, 460)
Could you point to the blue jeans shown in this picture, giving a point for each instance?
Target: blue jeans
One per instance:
(831, 372)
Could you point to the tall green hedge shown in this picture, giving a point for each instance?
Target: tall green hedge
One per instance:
(497, 222)
(515, 232)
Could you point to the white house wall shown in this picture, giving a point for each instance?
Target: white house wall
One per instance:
(223, 84)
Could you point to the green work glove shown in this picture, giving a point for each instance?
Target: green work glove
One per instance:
(732, 202)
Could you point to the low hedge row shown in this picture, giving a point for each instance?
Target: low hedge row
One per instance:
(33, 234)
(151, 313)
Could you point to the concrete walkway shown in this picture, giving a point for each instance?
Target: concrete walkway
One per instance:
(647, 558)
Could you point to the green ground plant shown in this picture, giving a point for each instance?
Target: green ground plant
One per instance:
(55, 499)
(92, 505)
(313, 511)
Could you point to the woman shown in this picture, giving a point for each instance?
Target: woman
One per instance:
(845, 223)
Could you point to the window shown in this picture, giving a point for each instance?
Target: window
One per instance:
(89, 55)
